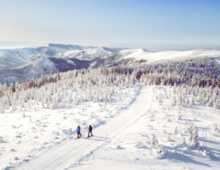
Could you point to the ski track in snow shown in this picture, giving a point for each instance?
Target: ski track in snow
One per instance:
(71, 153)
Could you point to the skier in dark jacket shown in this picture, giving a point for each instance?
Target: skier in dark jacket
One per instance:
(90, 130)
(78, 132)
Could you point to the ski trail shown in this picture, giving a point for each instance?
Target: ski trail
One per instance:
(70, 153)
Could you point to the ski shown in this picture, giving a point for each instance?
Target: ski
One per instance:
(78, 138)
(88, 137)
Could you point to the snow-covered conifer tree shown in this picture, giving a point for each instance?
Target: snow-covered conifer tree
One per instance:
(179, 116)
(215, 127)
(154, 141)
(195, 138)
(176, 131)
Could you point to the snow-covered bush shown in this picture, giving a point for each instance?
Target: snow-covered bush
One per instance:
(189, 135)
(190, 124)
(195, 138)
(182, 143)
(161, 152)
(70, 131)
(215, 127)
(185, 123)
(179, 116)
(176, 131)
(154, 142)
(164, 131)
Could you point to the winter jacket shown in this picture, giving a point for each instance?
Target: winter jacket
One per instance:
(78, 129)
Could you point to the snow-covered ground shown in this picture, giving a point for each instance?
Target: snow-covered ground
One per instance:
(72, 153)
(131, 147)
(24, 136)
(123, 133)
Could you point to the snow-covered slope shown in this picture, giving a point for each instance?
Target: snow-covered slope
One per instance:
(122, 139)
(87, 54)
(12, 58)
(36, 67)
(132, 147)
(139, 54)
(57, 157)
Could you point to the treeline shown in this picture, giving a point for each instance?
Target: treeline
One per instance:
(200, 72)
(56, 77)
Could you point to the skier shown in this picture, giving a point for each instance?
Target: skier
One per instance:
(90, 130)
(78, 132)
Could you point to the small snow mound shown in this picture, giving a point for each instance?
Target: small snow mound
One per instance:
(12, 150)
(26, 159)
(144, 135)
(118, 147)
(161, 152)
(164, 131)
(1, 140)
(204, 153)
(140, 145)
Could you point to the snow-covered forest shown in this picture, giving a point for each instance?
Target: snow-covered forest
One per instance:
(63, 89)
(41, 113)
(201, 72)
(198, 76)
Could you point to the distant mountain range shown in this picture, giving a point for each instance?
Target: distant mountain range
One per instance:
(17, 65)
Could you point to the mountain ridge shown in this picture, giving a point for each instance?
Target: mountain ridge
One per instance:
(50, 58)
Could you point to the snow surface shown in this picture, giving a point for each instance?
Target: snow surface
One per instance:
(45, 62)
(24, 137)
(122, 135)
(87, 54)
(134, 141)
(71, 62)
(122, 130)
(139, 54)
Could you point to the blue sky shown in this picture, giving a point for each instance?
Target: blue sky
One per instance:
(151, 24)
